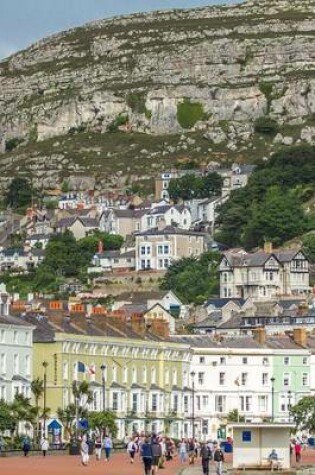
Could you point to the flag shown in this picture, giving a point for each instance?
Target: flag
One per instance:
(237, 382)
(81, 367)
(92, 369)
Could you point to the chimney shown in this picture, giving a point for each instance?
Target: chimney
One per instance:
(300, 336)
(259, 335)
(268, 247)
(137, 323)
(160, 328)
(100, 247)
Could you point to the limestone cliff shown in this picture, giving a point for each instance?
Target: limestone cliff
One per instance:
(237, 63)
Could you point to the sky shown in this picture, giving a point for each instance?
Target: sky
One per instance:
(22, 22)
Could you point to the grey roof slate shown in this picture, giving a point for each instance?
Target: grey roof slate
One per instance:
(168, 230)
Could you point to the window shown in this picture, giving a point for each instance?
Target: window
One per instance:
(246, 403)
(65, 370)
(3, 363)
(174, 377)
(144, 375)
(201, 378)
(115, 401)
(15, 336)
(222, 360)
(175, 402)
(16, 364)
(245, 360)
(264, 379)
(262, 403)
(2, 336)
(198, 403)
(153, 376)
(221, 379)
(27, 364)
(114, 373)
(220, 403)
(305, 360)
(135, 402)
(205, 401)
(134, 375)
(202, 359)
(286, 360)
(265, 361)
(154, 405)
(286, 379)
(305, 379)
(244, 379)
(185, 403)
(125, 375)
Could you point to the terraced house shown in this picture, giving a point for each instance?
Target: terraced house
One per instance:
(136, 373)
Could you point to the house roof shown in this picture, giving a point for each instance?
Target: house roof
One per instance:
(86, 222)
(168, 230)
(221, 302)
(10, 320)
(242, 259)
(129, 213)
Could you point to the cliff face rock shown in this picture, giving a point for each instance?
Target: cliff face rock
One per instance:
(237, 62)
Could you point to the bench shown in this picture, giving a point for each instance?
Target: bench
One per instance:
(265, 464)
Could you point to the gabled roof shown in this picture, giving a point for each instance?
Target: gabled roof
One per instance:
(86, 222)
(221, 302)
(129, 213)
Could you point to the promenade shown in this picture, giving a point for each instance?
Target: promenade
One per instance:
(118, 465)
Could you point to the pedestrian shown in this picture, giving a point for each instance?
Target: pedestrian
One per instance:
(131, 450)
(26, 446)
(147, 456)
(156, 454)
(84, 452)
(108, 445)
(297, 451)
(1, 444)
(206, 456)
(182, 449)
(218, 458)
(191, 451)
(98, 447)
(44, 445)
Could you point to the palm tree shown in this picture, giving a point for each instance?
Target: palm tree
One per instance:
(82, 393)
(22, 410)
(68, 418)
(37, 388)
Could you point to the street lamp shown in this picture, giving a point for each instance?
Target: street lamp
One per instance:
(272, 398)
(289, 403)
(103, 369)
(45, 364)
(192, 375)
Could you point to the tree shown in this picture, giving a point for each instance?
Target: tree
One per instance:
(234, 416)
(19, 194)
(7, 421)
(309, 246)
(190, 186)
(193, 279)
(82, 393)
(68, 416)
(304, 414)
(103, 421)
(89, 244)
(22, 410)
(37, 388)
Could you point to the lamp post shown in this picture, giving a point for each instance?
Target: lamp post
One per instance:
(45, 364)
(272, 398)
(103, 369)
(192, 375)
(289, 403)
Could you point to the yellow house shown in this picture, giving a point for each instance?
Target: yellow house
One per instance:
(140, 377)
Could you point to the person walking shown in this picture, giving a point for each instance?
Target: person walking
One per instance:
(191, 451)
(297, 451)
(26, 446)
(218, 458)
(156, 454)
(147, 456)
(44, 446)
(182, 449)
(131, 450)
(84, 452)
(206, 456)
(98, 447)
(108, 445)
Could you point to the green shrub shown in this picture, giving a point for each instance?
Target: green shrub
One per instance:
(11, 144)
(121, 119)
(265, 125)
(136, 102)
(77, 130)
(188, 113)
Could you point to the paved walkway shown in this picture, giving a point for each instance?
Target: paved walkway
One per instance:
(70, 465)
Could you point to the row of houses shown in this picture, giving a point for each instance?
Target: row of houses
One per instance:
(153, 379)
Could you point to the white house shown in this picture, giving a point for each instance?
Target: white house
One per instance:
(16, 342)
(264, 274)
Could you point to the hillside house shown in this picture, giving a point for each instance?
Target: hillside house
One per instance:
(264, 274)
(79, 226)
(157, 248)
